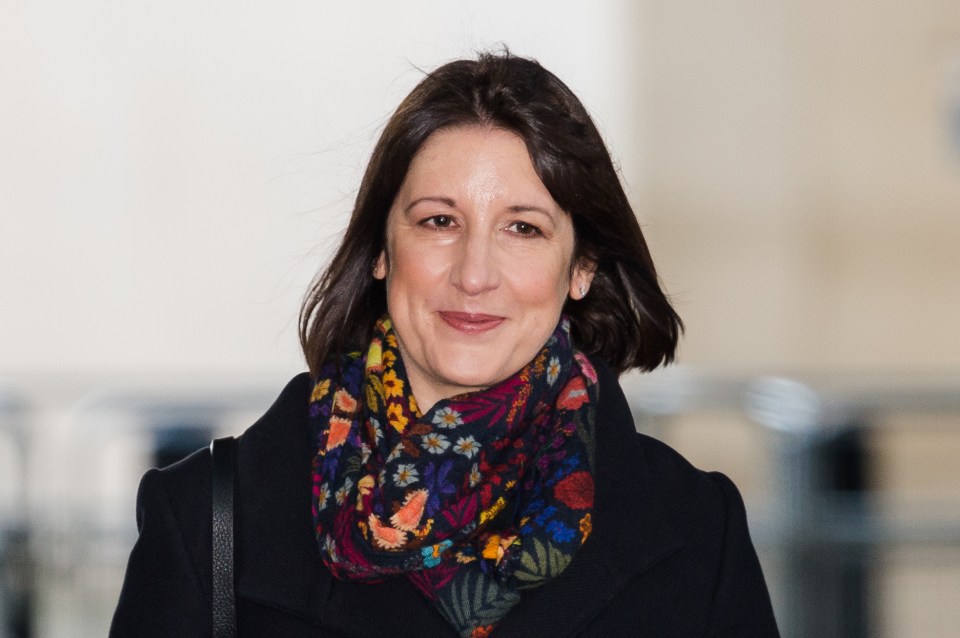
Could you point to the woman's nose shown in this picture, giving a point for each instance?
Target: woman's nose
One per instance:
(476, 268)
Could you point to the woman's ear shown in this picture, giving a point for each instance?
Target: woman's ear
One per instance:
(380, 266)
(582, 277)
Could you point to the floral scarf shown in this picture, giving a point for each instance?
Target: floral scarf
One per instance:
(486, 494)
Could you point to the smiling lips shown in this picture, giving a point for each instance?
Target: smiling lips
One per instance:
(470, 323)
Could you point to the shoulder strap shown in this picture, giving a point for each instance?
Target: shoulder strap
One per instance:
(223, 452)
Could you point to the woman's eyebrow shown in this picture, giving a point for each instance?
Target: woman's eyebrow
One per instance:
(529, 208)
(430, 198)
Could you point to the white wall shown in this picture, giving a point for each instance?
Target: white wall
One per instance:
(802, 182)
(172, 174)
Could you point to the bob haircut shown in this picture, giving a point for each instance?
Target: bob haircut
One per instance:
(625, 319)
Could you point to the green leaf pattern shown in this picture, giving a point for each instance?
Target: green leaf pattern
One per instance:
(539, 563)
(473, 599)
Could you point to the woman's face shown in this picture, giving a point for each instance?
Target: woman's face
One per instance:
(477, 264)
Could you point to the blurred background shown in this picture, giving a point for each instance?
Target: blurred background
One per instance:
(173, 174)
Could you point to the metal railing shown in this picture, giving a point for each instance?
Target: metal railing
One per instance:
(821, 520)
(16, 565)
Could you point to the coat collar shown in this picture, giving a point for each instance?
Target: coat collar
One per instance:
(275, 459)
(632, 528)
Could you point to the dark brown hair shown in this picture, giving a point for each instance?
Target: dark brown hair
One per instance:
(625, 319)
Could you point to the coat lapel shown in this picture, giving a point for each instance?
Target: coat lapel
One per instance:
(631, 532)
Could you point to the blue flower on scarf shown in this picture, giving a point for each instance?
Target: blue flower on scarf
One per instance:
(570, 463)
(560, 532)
(436, 480)
(531, 510)
(432, 553)
(545, 515)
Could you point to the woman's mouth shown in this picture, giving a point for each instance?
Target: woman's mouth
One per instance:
(470, 322)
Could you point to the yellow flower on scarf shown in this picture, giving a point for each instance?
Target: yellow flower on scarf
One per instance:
(374, 392)
(392, 385)
(396, 418)
(320, 390)
(496, 547)
(389, 359)
(493, 510)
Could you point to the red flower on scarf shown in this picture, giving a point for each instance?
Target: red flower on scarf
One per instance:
(574, 394)
(575, 491)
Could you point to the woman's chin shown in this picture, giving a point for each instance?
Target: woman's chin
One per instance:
(460, 379)
(463, 383)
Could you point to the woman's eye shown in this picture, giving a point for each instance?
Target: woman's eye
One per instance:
(438, 221)
(523, 228)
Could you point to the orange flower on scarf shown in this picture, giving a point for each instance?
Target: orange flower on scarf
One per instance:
(384, 535)
(586, 526)
(339, 428)
(407, 518)
(344, 402)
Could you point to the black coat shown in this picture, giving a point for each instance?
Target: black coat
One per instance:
(669, 555)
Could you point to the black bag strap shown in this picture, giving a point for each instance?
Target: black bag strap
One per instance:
(224, 462)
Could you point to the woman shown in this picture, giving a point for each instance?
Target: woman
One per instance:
(460, 459)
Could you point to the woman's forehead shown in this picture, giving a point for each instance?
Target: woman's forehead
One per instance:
(475, 163)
